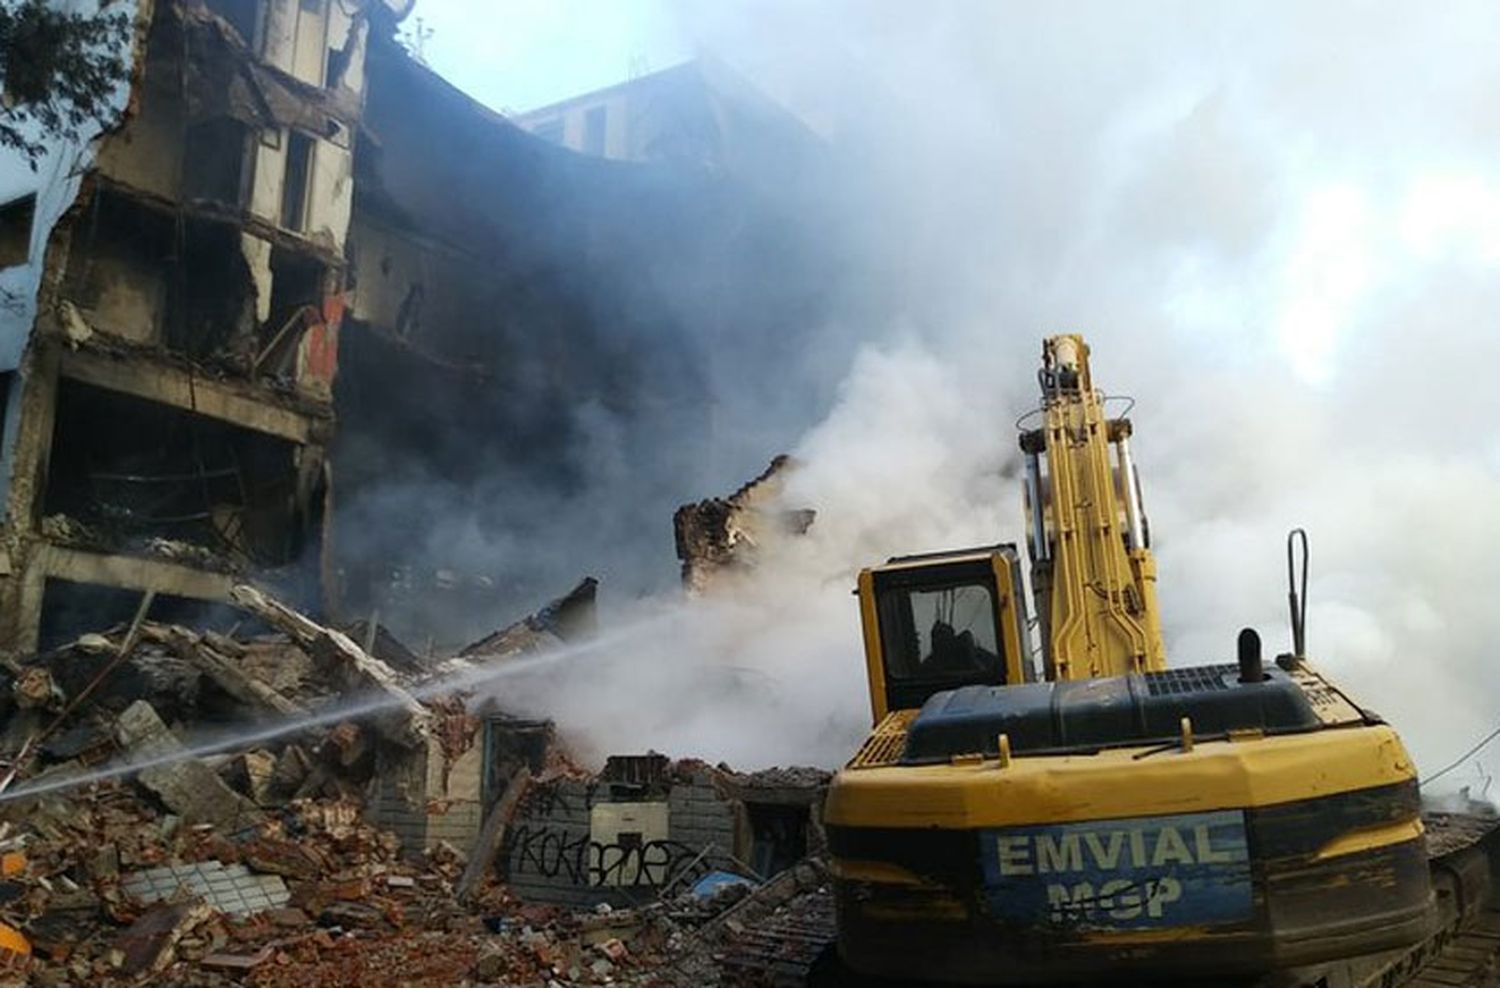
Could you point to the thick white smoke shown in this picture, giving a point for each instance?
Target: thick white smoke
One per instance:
(1279, 227)
(768, 669)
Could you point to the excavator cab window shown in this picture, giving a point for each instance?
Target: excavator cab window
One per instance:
(939, 629)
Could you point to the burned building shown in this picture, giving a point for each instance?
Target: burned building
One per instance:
(295, 225)
(545, 352)
(307, 335)
(261, 286)
(169, 410)
(699, 113)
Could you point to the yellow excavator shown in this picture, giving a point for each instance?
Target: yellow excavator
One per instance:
(1112, 817)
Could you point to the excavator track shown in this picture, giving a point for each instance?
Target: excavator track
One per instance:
(1468, 961)
(1464, 951)
(788, 942)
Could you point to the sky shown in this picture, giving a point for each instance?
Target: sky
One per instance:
(517, 55)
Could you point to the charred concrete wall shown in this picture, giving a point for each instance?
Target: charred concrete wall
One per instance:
(582, 842)
(547, 351)
(699, 114)
(645, 826)
(426, 795)
(724, 535)
(169, 421)
(536, 354)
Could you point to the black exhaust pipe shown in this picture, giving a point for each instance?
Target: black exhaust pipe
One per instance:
(1251, 668)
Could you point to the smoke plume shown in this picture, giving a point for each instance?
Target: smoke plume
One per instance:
(1279, 228)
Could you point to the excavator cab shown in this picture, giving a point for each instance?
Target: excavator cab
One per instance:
(942, 621)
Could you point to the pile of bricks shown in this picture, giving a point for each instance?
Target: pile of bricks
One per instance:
(337, 851)
(109, 891)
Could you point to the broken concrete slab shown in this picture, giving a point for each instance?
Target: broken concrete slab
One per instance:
(229, 889)
(288, 917)
(195, 649)
(313, 897)
(569, 617)
(336, 650)
(292, 769)
(277, 856)
(238, 963)
(149, 945)
(253, 772)
(185, 785)
(354, 916)
(378, 640)
(346, 744)
(492, 834)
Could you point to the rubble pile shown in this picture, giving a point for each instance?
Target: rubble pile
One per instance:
(722, 535)
(114, 892)
(780, 934)
(140, 844)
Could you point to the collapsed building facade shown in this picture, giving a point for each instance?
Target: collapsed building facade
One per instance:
(370, 793)
(645, 825)
(545, 353)
(276, 334)
(169, 421)
(260, 343)
(719, 536)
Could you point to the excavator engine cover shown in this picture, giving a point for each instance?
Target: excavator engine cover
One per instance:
(1089, 714)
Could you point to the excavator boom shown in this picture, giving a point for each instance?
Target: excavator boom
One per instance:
(1093, 576)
